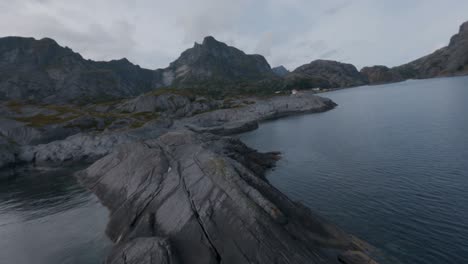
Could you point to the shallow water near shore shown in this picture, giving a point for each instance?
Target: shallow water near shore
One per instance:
(389, 164)
(47, 217)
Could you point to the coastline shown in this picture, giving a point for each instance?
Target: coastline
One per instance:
(182, 190)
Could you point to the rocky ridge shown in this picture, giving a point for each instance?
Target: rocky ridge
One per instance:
(451, 60)
(43, 71)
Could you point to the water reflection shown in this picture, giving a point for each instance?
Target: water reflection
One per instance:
(47, 217)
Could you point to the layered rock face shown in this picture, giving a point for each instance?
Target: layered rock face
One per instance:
(332, 74)
(42, 70)
(201, 198)
(215, 61)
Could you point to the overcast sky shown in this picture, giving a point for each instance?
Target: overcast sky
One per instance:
(288, 32)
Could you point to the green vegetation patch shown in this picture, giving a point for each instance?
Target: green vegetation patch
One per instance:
(15, 106)
(41, 120)
(146, 116)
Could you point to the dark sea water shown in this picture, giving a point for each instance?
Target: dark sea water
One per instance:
(48, 218)
(389, 164)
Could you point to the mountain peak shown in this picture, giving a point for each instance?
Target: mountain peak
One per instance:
(280, 71)
(211, 42)
(215, 60)
(464, 27)
(209, 39)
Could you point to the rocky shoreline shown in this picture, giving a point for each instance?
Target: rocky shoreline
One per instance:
(180, 190)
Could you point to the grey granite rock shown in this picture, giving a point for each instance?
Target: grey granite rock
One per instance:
(205, 195)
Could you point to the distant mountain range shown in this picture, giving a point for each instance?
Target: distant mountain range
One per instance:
(42, 70)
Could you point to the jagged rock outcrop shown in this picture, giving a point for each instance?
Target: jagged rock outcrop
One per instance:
(329, 74)
(280, 71)
(215, 61)
(381, 74)
(199, 198)
(42, 70)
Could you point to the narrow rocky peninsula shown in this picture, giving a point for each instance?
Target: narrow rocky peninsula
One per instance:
(200, 198)
(178, 187)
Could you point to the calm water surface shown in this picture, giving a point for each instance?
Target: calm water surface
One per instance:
(47, 217)
(389, 164)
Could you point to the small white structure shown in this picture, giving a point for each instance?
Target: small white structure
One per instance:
(316, 89)
(293, 91)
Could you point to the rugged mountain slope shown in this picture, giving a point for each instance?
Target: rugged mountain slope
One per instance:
(447, 61)
(330, 74)
(381, 74)
(42, 70)
(280, 71)
(215, 61)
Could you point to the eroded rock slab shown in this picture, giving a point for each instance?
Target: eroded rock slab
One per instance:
(205, 196)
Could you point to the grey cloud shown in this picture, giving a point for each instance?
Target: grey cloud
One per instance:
(265, 44)
(154, 32)
(337, 8)
(329, 54)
